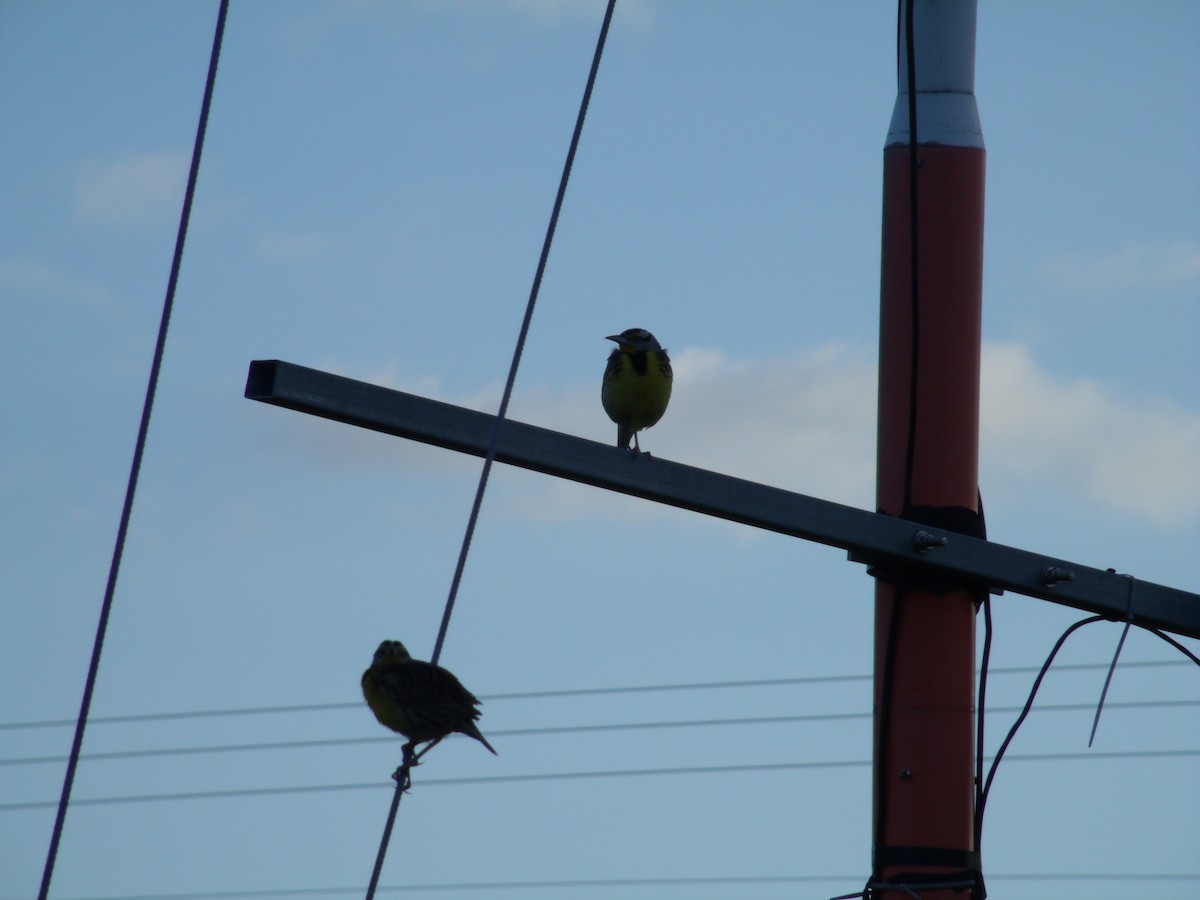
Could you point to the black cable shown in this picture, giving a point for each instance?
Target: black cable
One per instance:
(1116, 656)
(567, 692)
(1108, 680)
(489, 458)
(458, 780)
(135, 467)
(808, 719)
(1174, 643)
(884, 726)
(913, 249)
(402, 774)
(1012, 732)
(585, 775)
(980, 711)
(887, 676)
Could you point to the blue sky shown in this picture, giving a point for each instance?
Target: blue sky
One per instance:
(374, 188)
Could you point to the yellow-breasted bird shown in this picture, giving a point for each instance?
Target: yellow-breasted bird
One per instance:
(637, 384)
(421, 700)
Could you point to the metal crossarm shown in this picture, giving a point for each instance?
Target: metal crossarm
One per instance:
(869, 537)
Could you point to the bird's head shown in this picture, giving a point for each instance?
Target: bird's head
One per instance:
(632, 340)
(391, 652)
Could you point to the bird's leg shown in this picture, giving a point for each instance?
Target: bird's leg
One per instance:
(432, 744)
(401, 776)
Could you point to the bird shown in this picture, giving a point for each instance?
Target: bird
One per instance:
(420, 700)
(637, 384)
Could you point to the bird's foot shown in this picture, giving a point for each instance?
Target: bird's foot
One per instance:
(637, 448)
(402, 779)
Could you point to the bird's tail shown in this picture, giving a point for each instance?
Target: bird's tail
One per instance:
(470, 729)
(624, 436)
(479, 737)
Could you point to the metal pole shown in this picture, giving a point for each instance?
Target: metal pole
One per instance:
(928, 446)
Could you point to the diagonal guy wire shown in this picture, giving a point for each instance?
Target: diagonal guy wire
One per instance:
(135, 468)
(401, 775)
(520, 347)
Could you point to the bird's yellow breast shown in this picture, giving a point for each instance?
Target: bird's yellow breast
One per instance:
(390, 715)
(636, 399)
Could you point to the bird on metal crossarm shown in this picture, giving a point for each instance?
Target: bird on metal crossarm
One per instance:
(637, 384)
(420, 700)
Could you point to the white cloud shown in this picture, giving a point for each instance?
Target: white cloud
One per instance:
(25, 278)
(806, 423)
(134, 190)
(1135, 266)
(1139, 456)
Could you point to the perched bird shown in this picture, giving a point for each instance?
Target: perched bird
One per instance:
(422, 701)
(637, 384)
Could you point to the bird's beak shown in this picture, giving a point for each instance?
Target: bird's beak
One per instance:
(615, 337)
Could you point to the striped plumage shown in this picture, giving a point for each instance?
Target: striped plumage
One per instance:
(637, 384)
(420, 700)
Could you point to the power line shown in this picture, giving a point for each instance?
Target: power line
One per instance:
(136, 465)
(1090, 755)
(682, 881)
(541, 695)
(568, 729)
(401, 776)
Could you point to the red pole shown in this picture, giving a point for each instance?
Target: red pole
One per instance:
(927, 465)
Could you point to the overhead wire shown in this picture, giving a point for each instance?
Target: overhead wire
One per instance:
(550, 694)
(518, 350)
(622, 883)
(82, 720)
(583, 775)
(136, 465)
(741, 722)
(402, 774)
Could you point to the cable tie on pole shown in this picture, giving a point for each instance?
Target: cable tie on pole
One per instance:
(1129, 600)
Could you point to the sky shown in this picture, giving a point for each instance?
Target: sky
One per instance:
(375, 185)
